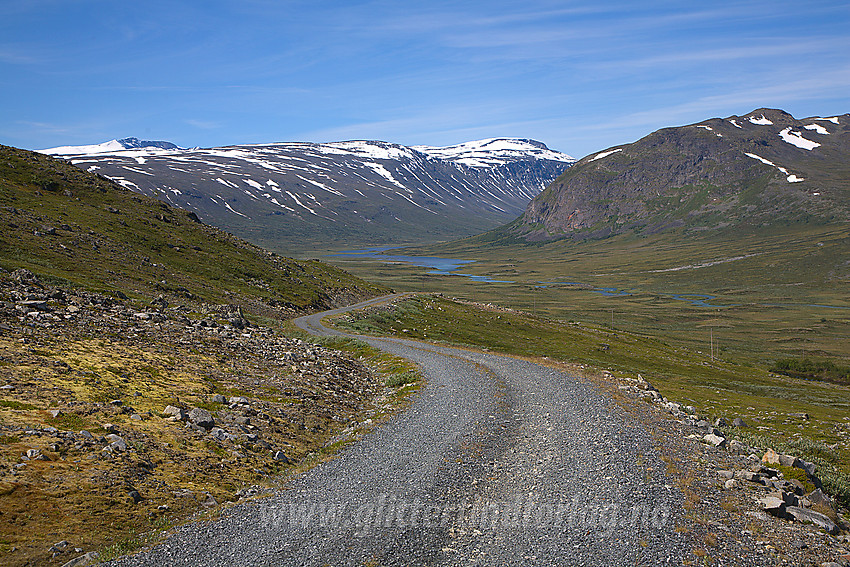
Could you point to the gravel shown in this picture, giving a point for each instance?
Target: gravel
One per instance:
(498, 461)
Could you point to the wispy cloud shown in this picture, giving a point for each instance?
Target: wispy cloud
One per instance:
(203, 124)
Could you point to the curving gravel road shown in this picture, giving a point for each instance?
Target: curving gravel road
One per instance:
(497, 462)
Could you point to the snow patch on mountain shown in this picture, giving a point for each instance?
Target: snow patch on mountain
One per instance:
(797, 139)
(761, 121)
(790, 177)
(817, 128)
(605, 154)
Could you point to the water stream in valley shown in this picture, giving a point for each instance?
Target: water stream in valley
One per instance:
(449, 267)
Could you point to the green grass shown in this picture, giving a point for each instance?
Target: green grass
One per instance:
(808, 369)
(13, 404)
(769, 305)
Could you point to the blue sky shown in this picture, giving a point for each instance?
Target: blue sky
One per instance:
(579, 76)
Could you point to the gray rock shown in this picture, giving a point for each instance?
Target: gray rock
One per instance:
(818, 497)
(790, 499)
(738, 447)
(220, 434)
(789, 461)
(720, 422)
(110, 428)
(816, 518)
(207, 500)
(730, 484)
(7, 387)
(773, 506)
(201, 418)
(238, 400)
(173, 411)
(738, 422)
(799, 415)
(86, 435)
(280, 456)
(116, 443)
(136, 417)
(218, 399)
(54, 413)
(703, 424)
(716, 440)
(83, 560)
(135, 496)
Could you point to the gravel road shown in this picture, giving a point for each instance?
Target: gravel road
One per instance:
(497, 462)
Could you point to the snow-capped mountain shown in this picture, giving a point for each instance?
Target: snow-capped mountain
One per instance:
(110, 146)
(299, 196)
(493, 152)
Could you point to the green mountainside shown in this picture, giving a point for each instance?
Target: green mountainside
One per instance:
(82, 229)
(760, 169)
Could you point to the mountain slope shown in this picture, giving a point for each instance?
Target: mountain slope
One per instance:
(762, 168)
(76, 226)
(305, 196)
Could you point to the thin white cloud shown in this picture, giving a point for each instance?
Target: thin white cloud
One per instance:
(203, 124)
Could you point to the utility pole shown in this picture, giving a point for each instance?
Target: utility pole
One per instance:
(712, 343)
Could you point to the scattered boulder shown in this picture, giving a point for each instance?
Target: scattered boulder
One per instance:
(220, 434)
(720, 422)
(738, 422)
(789, 461)
(83, 560)
(135, 496)
(818, 497)
(201, 417)
(116, 443)
(175, 412)
(773, 506)
(54, 413)
(218, 399)
(810, 516)
(280, 456)
(238, 401)
(714, 439)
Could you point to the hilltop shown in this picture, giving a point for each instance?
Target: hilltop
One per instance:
(764, 168)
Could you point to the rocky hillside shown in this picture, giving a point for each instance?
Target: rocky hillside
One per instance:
(762, 168)
(137, 385)
(80, 228)
(293, 197)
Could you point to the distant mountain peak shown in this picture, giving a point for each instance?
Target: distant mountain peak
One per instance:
(493, 152)
(110, 147)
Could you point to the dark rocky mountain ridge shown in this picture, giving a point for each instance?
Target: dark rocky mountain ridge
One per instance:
(761, 168)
